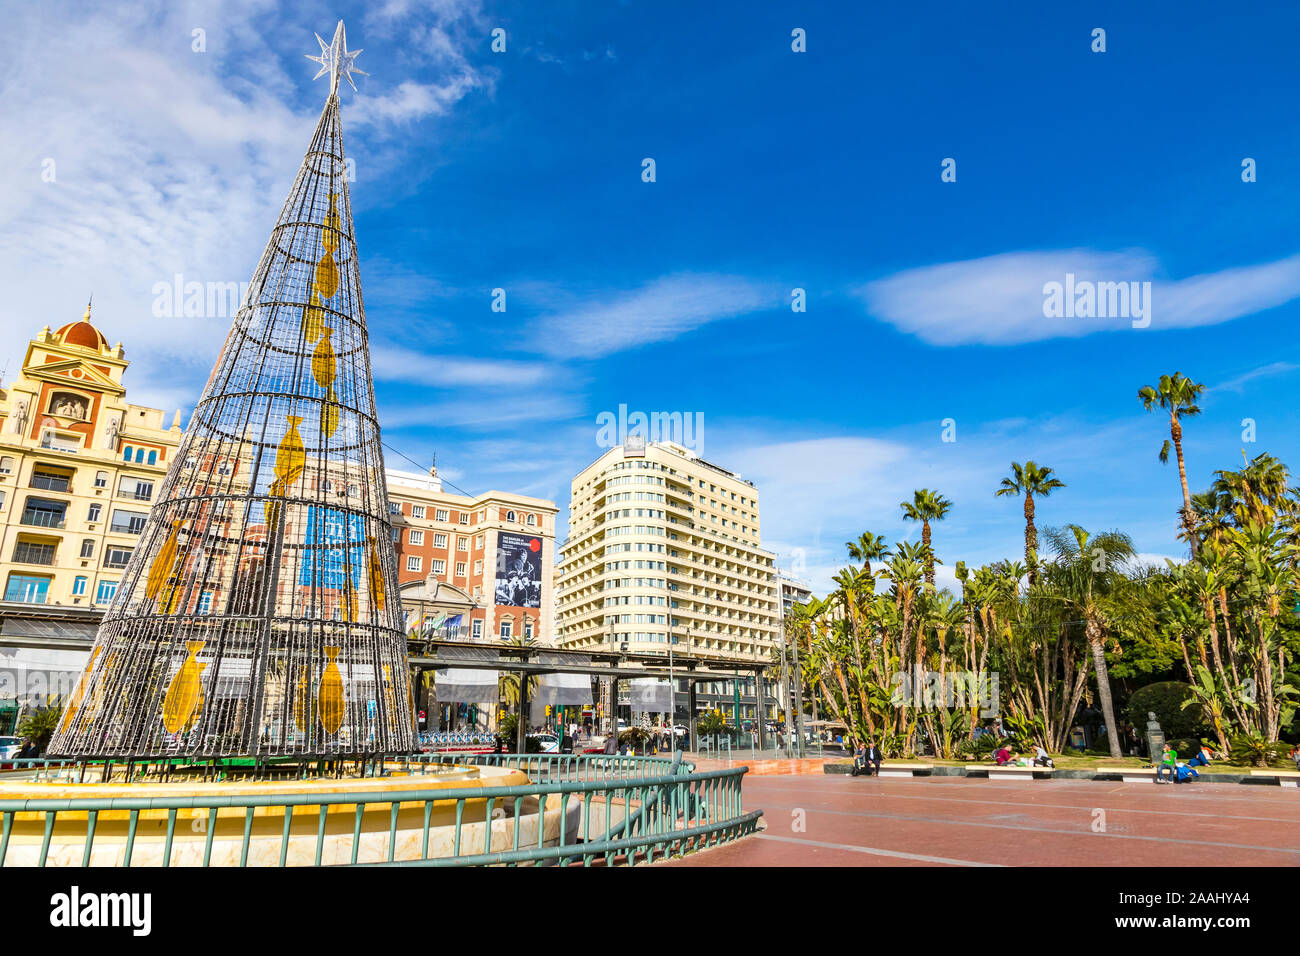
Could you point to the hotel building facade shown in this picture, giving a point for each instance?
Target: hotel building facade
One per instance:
(664, 549)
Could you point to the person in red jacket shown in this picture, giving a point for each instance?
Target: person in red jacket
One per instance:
(1003, 755)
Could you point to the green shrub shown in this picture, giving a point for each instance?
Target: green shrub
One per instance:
(40, 725)
(507, 727)
(1257, 751)
(1165, 700)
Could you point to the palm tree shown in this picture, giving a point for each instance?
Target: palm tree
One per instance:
(926, 506)
(1179, 395)
(1030, 479)
(1088, 575)
(508, 682)
(869, 547)
(1256, 493)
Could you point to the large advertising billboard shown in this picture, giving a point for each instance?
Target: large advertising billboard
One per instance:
(333, 548)
(519, 570)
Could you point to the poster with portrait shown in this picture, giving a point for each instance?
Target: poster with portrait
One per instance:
(519, 570)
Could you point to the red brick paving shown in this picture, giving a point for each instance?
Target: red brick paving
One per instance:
(954, 821)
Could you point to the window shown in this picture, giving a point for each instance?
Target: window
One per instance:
(507, 627)
(117, 558)
(153, 457)
(397, 536)
(94, 512)
(79, 586)
(126, 452)
(87, 547)
(460, 569)
(101, 479)
(478, 566)
(128, 522)
(6, 465)
(56, 442)
(478, 541)
(413, 563)
(44, 513)
(440, 541)
(462, 542)
(441, 514)
(417, 511)
(394, 507)
(476, 630)
(438, 567)
(136, 488)
(416, 537)
(205, 603)
(33, 552)
(532, 519)
(50, 480)
(104, 593)
(528, 627)
(510, 516)
(27, 589)
(2, 500)
(464, 517)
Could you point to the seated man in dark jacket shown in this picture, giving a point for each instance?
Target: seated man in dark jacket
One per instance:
(873, 758)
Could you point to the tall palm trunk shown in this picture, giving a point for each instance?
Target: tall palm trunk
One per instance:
(1031, 539)
(1103, 685)
(929, 554)
(1189, 522)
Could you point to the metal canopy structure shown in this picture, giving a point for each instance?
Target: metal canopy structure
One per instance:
(615, 666)
(259, 614)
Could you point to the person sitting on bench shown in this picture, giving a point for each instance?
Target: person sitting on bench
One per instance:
(1003, 755)
(1169, 764)
(860, 758)
(873, 758)
(1042, 759)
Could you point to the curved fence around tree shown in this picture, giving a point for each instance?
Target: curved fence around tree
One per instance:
(610, 810)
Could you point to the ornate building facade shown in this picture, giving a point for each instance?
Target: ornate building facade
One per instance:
(79, 466)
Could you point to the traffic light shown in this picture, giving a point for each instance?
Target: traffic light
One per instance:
(548, 710)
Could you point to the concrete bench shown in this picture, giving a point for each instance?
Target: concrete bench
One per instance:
(1284, 778)
(1130, 774)
(1009, 772)
(894, 769)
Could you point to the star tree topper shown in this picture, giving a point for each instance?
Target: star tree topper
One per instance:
(336, 59)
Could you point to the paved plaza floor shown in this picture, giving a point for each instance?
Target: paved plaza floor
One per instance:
(837, 820)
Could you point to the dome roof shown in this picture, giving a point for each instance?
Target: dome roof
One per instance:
(83, 334)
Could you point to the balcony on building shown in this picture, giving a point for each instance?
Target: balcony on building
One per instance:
(44, 513)
(52, 479)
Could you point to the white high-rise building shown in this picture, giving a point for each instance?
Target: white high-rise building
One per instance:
(665, 546)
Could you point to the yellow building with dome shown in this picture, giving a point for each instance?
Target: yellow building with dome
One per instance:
(79, 468)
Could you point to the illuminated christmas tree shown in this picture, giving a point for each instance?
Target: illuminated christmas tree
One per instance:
(259, 614)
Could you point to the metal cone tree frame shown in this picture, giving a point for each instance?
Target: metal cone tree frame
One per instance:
(259, 614)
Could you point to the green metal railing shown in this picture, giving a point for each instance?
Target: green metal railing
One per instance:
(668, 810)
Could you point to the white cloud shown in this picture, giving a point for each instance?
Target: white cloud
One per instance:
(166, 161)
(1238, 383)
(998, 300)
(398, 364)
(659, 311)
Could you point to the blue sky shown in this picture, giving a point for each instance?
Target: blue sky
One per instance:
(775, 170)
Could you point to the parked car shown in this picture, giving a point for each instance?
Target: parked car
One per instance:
(9, 747)
(550, 743)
